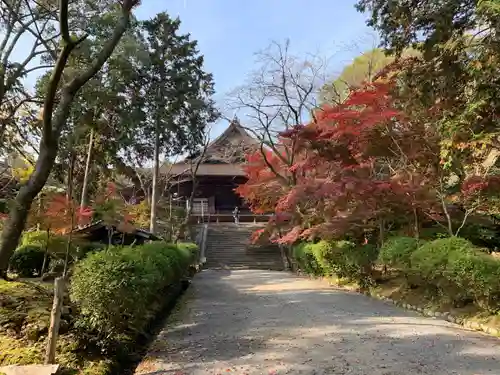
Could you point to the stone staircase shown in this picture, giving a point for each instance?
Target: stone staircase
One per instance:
(228, 246)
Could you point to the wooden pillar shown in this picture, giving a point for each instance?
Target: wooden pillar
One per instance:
(55, 320)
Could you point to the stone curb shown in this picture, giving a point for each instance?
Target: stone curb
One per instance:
(466, 323)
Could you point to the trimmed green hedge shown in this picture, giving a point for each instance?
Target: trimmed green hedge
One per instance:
(341, 258)
(397, 252)
(460, 271)
(57, 245)
(452, 267)
(430, 260)
(120, 290)
(27, 260)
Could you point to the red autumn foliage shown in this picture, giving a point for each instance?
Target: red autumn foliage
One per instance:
(477, 185)
(58, 214)
(359, 164)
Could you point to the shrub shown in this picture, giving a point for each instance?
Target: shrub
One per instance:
(56, 243)
(397, 251)
(459, 271)
(57, 246)
(431, 259)
(356, 262)
(481, 235)
(477, 275)
(27, 260)
(118, 291)
(322, 255)
(83, 248)
(342, 258)
(303, 254)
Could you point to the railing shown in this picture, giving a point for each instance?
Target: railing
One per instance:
(227, 216)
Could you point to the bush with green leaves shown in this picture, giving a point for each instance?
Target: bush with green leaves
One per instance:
(341, 258)
(397, 251)
(460, 271)
(304, 256)
(120, 290)
(481, 234)
(477, 276)
(27, 260)
(430, 260)
(56, 243)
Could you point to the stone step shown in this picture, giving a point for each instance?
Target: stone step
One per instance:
(229, 246)
(275, 264)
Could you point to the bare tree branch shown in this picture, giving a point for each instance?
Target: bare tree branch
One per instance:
(280, 95)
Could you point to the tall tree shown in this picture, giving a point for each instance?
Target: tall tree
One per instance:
(58, 99)
(364, 68)
(455, 81)
(179, 94)
(280, 94)
(27, 22)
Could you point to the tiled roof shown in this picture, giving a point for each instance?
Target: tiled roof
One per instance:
(206, 170)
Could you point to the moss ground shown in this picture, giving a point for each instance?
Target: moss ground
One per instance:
(24, 320)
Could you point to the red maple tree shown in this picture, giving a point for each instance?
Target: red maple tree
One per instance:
(357, 166)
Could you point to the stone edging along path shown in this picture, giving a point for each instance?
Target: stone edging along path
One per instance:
(464, 322)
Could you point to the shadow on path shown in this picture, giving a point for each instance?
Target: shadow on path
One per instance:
(262, 322)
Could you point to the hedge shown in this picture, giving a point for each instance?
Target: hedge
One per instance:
(452, 267)
(57, 244)
(120, 290)
(460, 271)
(27, 260)
(342, 258)
(397, 252)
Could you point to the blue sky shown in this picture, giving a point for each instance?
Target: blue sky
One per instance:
(229, 32)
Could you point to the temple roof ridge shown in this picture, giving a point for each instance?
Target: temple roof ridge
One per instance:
(235, 128)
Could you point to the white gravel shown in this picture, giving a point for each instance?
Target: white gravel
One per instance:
(261, 322)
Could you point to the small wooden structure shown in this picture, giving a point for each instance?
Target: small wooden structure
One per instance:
(99, 232)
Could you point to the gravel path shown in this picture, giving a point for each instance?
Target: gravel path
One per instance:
(262, 322)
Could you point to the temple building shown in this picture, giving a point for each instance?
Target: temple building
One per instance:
(218, 174)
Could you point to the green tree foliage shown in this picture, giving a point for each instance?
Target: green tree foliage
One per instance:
(110, 106)
(178, 95)
(405, 23)
(364, 68)
(455, 84)
(59, 96)
(177, 88)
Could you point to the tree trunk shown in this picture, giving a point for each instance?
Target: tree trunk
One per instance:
(416, 224)
(381, 228)
(46, 254)
(14, 225)
(85, 187)
(54, 121)
(70, 207)
(185, 222)
(156, 169)
(55, 320)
